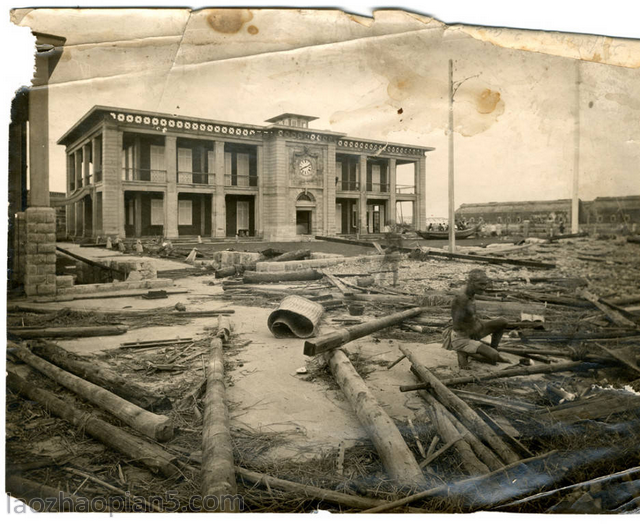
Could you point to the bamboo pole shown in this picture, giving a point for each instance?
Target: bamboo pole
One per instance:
(157, 427)
(467, 416)
(396, 457)
(134, 447)
(218, 474)
(337, 338)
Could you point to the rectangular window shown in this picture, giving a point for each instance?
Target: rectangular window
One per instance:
(185, 160)
(157, 212)
(375, 177)
(227, 163)
(211, 162)
(157, 165)
(243, 169)
(242, 209)
(185, 214)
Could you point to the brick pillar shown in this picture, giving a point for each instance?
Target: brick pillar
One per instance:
(40, 258)
(112, 193)
(218, 211)
(70, 216)
(171, 195)
(391, 212)
(137, 215)
(362, 208)
(420, 218)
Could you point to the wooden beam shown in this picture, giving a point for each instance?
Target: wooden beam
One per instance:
(615, 316)
(337, 338)
(67, 332)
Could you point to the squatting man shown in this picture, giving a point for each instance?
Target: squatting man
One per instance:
(464, 336)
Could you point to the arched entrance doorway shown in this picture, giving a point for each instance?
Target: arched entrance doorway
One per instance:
(305, 206)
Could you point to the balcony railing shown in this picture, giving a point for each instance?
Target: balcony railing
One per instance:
(189, 177)
(144, 175)
(405, 190)
(347, 185)
(241, 180)
(377, 188)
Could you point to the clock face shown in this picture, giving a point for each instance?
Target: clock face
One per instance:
(305, 167)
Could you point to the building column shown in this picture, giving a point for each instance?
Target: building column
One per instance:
(203, 214)
(94, 213)
(218, 211)
(70, 215)
(77, 172)
(112, 192)
(95, 159)
(329, 226)
(258, 200)
(391, 212)
(362, 208)
(137, 215)
(79, 218)
(171, 195)
(86, 171)
(420, 210)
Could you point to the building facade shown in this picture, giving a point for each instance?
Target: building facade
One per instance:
(604, 214)
(135, 174)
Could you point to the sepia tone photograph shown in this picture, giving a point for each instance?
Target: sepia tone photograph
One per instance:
(276, 260)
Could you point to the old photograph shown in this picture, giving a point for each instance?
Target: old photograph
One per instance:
(293, 260)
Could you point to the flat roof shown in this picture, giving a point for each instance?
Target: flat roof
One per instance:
(289, 115)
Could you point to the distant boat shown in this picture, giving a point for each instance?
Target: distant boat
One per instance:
(443, 235)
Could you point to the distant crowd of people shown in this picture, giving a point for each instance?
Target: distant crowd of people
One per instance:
(444, 226)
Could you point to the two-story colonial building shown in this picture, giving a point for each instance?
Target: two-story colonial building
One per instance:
(135, 173)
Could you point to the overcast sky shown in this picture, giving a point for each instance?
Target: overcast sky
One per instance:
(384, 80)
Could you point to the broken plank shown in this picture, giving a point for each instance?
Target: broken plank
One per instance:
(396, 457)
(627, 356)
(111, 294)
(378, 248)
(615, 316)
(336, 282)
(479, 398)
(489, 259)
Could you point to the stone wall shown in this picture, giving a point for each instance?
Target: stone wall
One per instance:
(40, 251)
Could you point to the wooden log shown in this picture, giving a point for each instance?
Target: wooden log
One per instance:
(98, 374)
(337, 338)
(504, 434)
(33, 494)
(396, 457)
(218, 474)
(451, 488)
(467, 416)
(624, 300)
(157, 427)
(532, 335)
(602, 406)
(112, 294)
(451, 436)
(226, 272)
(515, 372)
(307, 491)
(252, 277)
(615, 316)
(91, 262)
(67, 332)
(289, 256)
(147, 453)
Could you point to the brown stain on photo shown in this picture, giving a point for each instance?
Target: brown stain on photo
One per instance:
(252, 30)
(229, 21)
(487, 101)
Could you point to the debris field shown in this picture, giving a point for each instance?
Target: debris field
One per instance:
(291, 380)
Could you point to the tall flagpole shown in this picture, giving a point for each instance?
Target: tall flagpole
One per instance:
(452, 210)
